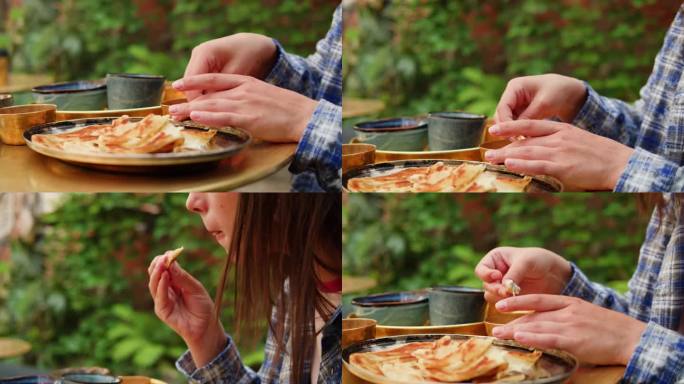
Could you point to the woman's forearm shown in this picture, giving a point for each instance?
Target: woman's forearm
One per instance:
(210, 345)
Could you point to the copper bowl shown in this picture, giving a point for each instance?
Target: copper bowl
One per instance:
(496, 317)
(492, 145)
(358, 329)
(489, 326)
(357, 155)
(15, 120)
(166, 104)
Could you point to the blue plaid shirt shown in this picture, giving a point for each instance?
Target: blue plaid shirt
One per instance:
(653, 126)
(318, 161)
(227, 367)
(655, 296)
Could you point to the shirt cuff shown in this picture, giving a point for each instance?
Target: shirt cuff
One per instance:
(592, 110)
(225, 367)
(282, 70)
(319, 150)
(579, 285)
(659, 357)
(647, 172)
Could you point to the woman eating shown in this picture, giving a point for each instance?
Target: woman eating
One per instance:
(642, 329)
(285, 251)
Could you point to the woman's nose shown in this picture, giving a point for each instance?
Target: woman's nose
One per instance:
(196, 202)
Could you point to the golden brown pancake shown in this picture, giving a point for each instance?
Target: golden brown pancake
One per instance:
(152, 134)
(440, 177)
(448, 361)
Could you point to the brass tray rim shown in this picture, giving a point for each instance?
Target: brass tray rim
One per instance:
(105, 111)
(133, 160)
(428, 327)
(446, 152)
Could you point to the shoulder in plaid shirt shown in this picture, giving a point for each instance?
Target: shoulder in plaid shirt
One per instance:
(227, 367)
(655, 296)
(654, 125)
(318, 161)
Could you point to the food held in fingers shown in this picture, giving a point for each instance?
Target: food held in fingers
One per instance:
(173, 256)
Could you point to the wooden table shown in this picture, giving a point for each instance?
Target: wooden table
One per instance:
(598, 375)
(10, 347)
(23, 170)
(23, 82)
(352, 107)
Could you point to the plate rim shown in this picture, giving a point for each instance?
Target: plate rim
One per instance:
(548, 181)
(143, 160)
(558, 354)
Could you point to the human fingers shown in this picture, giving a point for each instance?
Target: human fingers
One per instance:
(534, 302)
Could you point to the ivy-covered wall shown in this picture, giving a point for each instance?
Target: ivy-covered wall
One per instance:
(421, 56)
(409, 241)
(78, 39)
(76, 289)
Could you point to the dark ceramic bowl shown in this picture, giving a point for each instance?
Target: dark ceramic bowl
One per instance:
(395, 308)
(456, 305)
(73, 96)
(85, 378)
(454, 130)
(126, 90)
(6, 100)
(398, 134)
(37, 379)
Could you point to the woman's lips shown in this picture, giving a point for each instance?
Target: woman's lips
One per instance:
(217, 234)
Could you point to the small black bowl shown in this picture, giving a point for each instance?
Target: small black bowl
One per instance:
(87, 378)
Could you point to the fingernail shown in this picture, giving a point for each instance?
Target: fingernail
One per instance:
(494, 129)
(501, 305)
(490, 155)
(511, 163)
(174, 109)
(178, 84)
(497, 331)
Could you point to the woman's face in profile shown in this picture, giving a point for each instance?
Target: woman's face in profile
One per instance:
(218, 212)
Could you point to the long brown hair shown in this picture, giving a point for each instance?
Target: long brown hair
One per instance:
(278, 241)
(648, 203)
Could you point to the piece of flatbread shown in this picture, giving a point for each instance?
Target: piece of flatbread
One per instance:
(440, 177)
(152, 134)
(447, 361)
(173, 256)
(511, 287)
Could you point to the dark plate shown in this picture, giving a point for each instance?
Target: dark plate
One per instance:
(390, 125)
(390, 299)
(538, 184)
(227, 142)
(560, 365)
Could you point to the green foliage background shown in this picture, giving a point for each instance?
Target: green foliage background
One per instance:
(427, 55)
(78, 290)
(78, 39)
(409, 241)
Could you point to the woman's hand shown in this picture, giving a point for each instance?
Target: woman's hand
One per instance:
(579, 159)
(593, 334)
(246, 54)
(183, 304)
(534, 270)
(268, 112)
(541, 97)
